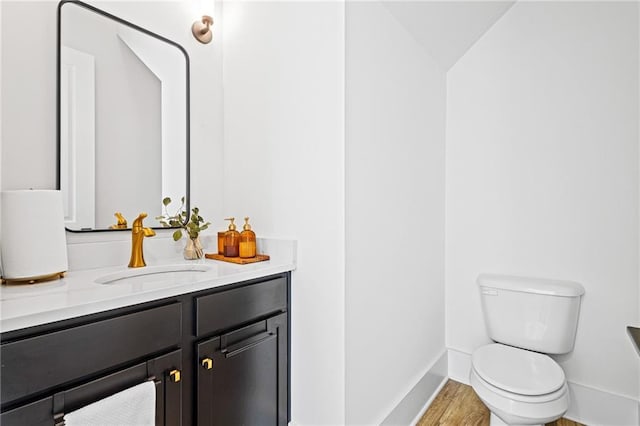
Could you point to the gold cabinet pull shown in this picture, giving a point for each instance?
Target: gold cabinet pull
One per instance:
(207, 363)
(175, 375)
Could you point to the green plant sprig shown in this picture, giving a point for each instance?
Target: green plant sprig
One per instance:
(193, 227)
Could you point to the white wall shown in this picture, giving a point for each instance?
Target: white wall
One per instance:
(395, 123)
(29, 93)
(542, 174)
(284, 167)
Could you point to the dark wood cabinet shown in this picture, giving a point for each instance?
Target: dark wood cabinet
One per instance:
(216, 357)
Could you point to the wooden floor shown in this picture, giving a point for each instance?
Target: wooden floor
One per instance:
(458, 405)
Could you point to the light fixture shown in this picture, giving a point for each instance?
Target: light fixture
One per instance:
(202, 29)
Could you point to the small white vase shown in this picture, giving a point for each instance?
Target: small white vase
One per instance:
(193, 249)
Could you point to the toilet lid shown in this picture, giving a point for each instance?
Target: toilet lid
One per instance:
(517, 370)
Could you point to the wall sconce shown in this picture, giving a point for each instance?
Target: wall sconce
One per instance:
(202, 29)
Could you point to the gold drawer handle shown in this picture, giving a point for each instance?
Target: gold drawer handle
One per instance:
(175, 376)
(207, 363)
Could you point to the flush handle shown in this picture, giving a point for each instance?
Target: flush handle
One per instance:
(207, 363)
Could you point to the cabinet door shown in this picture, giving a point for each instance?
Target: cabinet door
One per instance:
(242, 376)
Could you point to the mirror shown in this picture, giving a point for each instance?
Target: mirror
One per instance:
(123, 119)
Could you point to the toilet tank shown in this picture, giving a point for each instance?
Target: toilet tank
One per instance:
(531, 313)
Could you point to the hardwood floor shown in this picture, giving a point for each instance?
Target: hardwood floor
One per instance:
(457, 404)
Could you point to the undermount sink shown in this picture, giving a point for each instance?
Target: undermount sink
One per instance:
(174, 273)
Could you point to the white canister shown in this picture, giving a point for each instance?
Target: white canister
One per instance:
(33, 241)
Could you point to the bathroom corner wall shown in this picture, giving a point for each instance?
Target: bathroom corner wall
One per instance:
(28, 85)
(284, 167)
(542, 175)
(395, 140)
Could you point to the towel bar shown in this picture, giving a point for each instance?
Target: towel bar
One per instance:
(59, 401)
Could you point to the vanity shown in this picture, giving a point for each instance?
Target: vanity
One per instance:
(209, 341)
(215, 342)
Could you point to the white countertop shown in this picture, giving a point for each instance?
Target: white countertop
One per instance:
(79, 294)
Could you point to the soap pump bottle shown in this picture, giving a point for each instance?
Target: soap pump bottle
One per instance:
(231, 240)
(247, 241)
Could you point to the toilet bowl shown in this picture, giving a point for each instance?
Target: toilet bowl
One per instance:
(519, 387)
(527, 318)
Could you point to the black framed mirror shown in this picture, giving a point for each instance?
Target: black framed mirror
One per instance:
(122, 119)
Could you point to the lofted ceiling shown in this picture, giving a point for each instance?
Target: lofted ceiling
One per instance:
(447, 29)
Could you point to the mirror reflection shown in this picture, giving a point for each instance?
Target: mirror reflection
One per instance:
(123, 119)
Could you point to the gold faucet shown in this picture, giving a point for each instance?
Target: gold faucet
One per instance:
(138, 232)
(122, 222)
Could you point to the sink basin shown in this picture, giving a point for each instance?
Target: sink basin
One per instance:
(161, 273)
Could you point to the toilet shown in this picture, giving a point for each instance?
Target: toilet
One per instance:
(527, 318)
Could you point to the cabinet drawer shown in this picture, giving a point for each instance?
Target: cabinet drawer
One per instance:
(168, 394)
(38, 363)
(230, 308)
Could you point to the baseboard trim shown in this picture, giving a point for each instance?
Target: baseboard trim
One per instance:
(413, 405)
(596, 407)
(427, 404)
(588, 405)
(459, 365)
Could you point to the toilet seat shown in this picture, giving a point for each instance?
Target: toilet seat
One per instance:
(527, 399)
(514, 409)
(519, 387)
(517, 372)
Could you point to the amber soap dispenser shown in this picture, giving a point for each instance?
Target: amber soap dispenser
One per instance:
(247, 241)
(231, 240)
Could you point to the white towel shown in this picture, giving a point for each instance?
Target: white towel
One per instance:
(135, 406)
